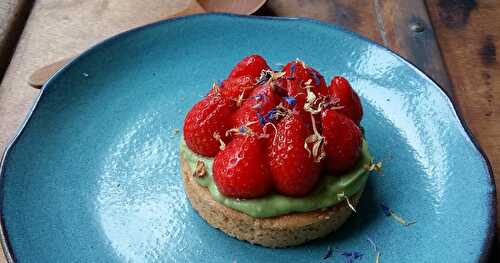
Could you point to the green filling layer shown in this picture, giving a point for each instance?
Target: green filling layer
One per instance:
(328, 192)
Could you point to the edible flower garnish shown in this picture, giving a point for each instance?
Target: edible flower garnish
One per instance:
(316, 78)
(200, 169)
(376, 167)
(344, 196)
(240, 99)
(318, 142)
(216, 88)
(328, 253)
(269, 75)
(265, 75)
(389, 212)
(262, 120)
(350, 256)
(375, 249)
(243, 130)
(218, 138)
(290, 100)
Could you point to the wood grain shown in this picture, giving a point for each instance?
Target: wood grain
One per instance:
(469, 35)
(389, 23)
(13, 14)
(408, 31)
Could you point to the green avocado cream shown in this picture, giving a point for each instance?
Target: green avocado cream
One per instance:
(329, 191)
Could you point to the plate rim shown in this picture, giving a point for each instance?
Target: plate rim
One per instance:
(492, 204)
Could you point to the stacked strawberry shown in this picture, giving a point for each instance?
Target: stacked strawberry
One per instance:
(275, 130)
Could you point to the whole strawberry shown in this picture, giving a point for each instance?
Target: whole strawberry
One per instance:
(253, 110)
(250, 66)
(348, 99)
(238, 88)
(208, 116)
(298, 77)
(342, 141)
(293, 169)
(241, 170)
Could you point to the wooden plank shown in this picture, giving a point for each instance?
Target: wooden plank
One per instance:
(408, 31)
(402, 26)
(469, 35)
(356, 15)
(13, 14)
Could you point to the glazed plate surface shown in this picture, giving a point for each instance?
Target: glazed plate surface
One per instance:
(94, 174)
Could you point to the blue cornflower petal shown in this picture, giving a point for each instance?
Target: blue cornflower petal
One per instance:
(242, 129)
(386, 209)
(271, 114)
(262, 120)
(290, 100)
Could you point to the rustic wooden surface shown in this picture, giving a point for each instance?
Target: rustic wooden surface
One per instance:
(13, 14)
(60, 28)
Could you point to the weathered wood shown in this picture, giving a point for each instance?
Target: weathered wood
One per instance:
(408, 31)
(469, 34)
(13, 14)
(402, 26)
(356, 15)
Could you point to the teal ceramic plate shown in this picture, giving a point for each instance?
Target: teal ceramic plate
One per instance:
(94, 174)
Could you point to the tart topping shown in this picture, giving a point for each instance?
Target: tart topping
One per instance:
(210, 115)
(275, 129)
(342, 141)
(241, 170)
(293, 169)
(348, 99)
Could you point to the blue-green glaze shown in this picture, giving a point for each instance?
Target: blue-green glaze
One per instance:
(94, 174)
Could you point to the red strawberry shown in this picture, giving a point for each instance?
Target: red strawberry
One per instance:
(235, 87)
(297, 75)
(254, 109)
(293, 169)
(209, 115)
(250, 66)
(348, 98)
(241, 170)
(342, 141)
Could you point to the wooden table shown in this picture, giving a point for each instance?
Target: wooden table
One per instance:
(453, 41)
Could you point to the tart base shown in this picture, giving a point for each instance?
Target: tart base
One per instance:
(280, 231)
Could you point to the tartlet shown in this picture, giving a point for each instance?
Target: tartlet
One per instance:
(275, 158)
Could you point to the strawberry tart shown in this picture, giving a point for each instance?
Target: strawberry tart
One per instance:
(276, 158)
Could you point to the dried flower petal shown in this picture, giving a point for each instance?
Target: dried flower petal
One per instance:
(328, 253)
(292, 68)
(265, 75)
(317, 140)
(349, 257)
(389, 212)
(346, 198)
(376, 167)
(375, 249)
(200, 169)
(262, 120)
(290, 100)
(216, 88)
(218, 138)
